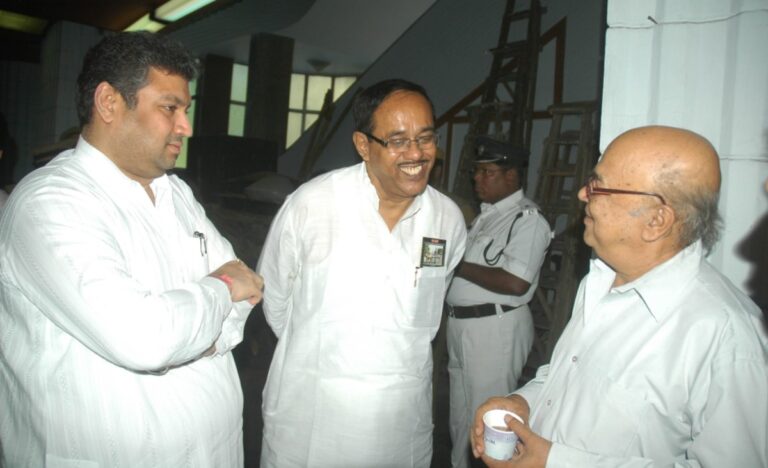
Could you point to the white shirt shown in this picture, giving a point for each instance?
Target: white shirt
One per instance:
(98, 287)
(350, 380)
(522, 256)
(669, 369)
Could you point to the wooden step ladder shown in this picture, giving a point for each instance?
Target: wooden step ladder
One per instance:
(322, 132)
(506, 106)
(569, 154)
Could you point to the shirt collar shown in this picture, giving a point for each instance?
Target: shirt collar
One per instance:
(505, 203)
(659, 289)
(370, 194)
(109, 176)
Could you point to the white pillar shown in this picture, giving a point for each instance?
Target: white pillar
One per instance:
(701, 65)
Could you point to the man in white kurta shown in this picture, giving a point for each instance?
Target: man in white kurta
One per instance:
(101, 290)
(355, 303)
(114, 340)
(663, 364)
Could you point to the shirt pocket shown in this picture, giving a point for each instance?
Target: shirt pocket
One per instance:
(426, 304)
(194, 255)
(618, 414)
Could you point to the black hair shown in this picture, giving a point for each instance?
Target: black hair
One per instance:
(370, 99)
(123, 60)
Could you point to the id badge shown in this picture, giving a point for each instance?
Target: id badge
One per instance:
(432, 252)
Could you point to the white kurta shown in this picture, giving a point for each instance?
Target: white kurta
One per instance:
(98, 287)
(667, 370)
(350, 381)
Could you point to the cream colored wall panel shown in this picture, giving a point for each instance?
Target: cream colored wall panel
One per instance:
(702, 65)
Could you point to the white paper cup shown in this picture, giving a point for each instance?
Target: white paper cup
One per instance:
(499, 442)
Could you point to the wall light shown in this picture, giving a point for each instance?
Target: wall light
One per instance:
(145, 23)
(174, 10)
(23, 23)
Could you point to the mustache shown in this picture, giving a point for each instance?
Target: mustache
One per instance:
(411, 163)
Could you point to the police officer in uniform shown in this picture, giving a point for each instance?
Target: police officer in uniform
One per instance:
(490, 328)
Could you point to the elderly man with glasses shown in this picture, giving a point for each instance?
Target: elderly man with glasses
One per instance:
(490, 328)
(663, 362)
(356, 266)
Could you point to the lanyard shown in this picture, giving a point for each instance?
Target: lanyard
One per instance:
(495, 259)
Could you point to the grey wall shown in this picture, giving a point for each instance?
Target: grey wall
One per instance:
(64, 48)
(39, 99)
(445, 51)
(20, 104)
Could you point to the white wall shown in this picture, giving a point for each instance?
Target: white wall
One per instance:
(701, 65)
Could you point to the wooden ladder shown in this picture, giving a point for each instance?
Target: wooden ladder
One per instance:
(322, 132)
(506, 106)
(568, 156)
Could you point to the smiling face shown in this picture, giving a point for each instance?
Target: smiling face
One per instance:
(399, 176)
(149, 137)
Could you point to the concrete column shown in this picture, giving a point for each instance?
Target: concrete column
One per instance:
(213, 92)
(269, 81)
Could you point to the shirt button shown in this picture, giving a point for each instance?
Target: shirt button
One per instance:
(574, 359)
(549, 402)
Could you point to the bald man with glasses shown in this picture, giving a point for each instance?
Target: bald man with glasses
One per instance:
(663, 362)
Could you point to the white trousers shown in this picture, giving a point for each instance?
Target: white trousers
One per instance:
(485, 358)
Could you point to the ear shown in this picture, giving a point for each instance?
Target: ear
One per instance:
(362, 145)
(105, 102)
(512, 177)
(660, 224)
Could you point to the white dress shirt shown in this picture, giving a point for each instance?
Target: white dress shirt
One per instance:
(487, 354)
(522, 256)
(668, 370)
(99, 291)
(354, 310)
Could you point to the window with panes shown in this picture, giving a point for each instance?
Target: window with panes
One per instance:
(181, 161)
(306, 100)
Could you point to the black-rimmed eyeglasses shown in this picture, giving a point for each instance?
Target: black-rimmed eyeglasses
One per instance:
(592, 189)
(398, 144)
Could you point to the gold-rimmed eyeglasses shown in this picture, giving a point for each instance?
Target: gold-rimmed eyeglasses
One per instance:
(399, 144)
(593, 189)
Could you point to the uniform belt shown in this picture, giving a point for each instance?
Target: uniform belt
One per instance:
(477, 311)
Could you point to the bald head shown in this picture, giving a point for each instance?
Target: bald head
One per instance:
(684, 168)
(679, 157)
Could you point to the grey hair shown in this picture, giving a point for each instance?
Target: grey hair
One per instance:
(696, 210)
